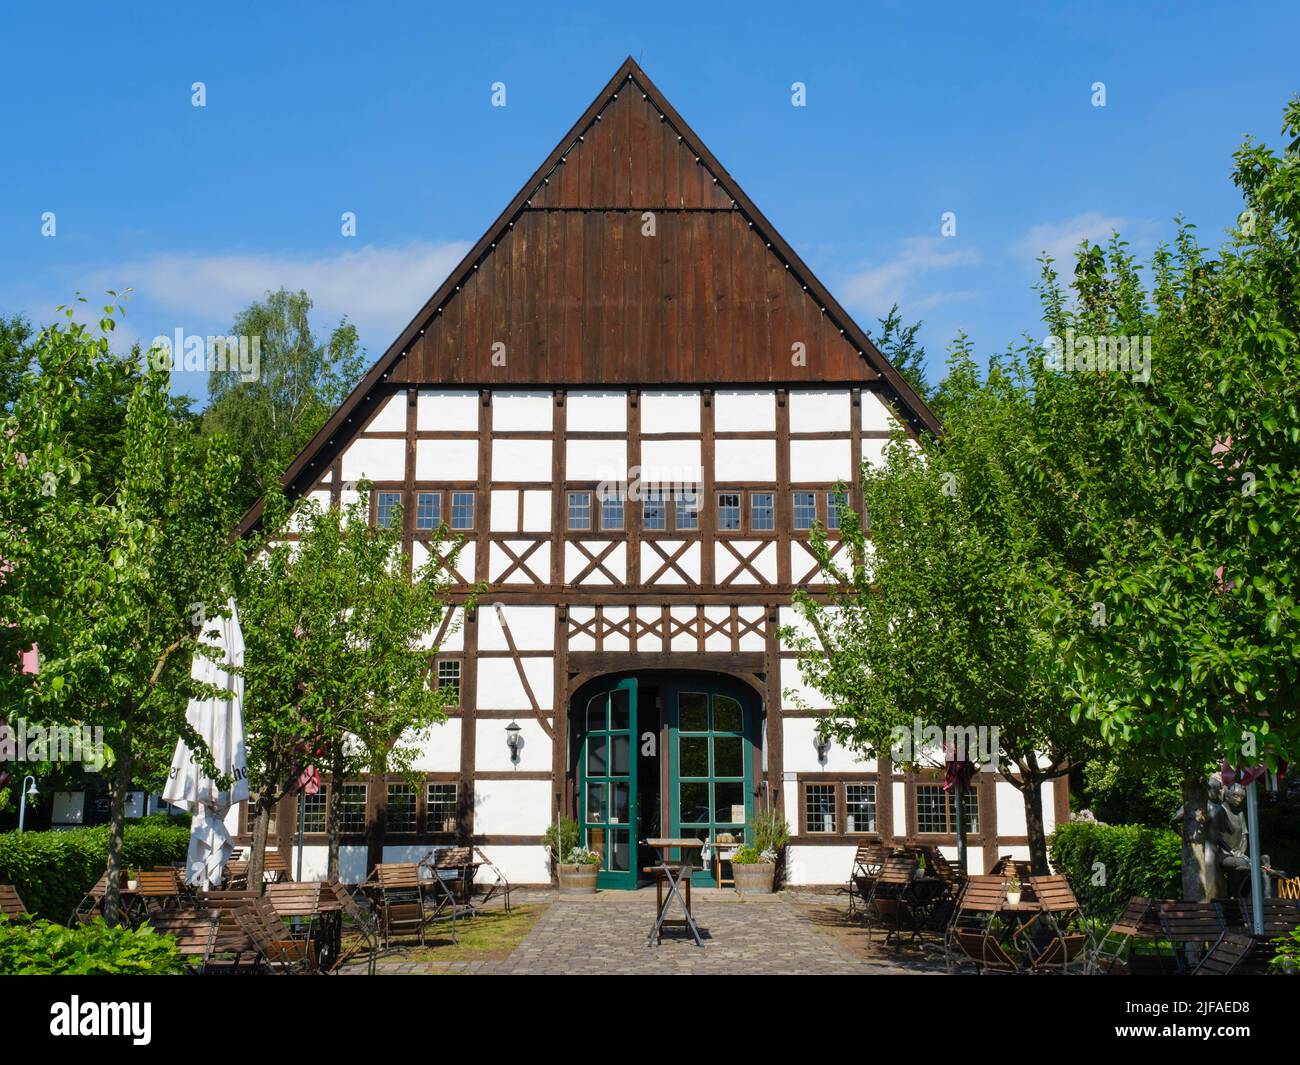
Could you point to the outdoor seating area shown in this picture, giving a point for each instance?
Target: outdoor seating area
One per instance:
(1010, 922)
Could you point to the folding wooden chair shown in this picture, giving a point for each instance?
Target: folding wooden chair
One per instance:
(298, 902)
(1225, 956)
(262, 925)
(892, 898)
(402, 899)
(232, 950)
(92, 903)
(1192, 928)
(361, 922)
(275, 868)
(866, 867)
(1062, 914)
(980, 900)
(11, 903)
(499, 885)
(1138, 921)
(460, 862)
(194, 931)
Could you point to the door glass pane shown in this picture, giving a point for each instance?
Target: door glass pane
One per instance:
(618, 794)
(694, 802)
(595, 803)
(726, 714)
(596, 761)
(620, 855)
(619, 709)
(694, 756)
(728, 756)
(619, 749)
(596, 714)
(729, 799)
(694, 712)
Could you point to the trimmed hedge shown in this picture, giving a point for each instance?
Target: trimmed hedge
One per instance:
(1135, 860)
(53, 870)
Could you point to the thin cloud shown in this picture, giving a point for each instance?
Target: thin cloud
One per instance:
(1060, 240)
(905, 278)
(377, 288)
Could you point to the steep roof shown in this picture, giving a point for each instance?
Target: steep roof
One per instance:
(630, 258)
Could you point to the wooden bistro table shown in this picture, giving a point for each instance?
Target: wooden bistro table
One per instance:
(674, 875)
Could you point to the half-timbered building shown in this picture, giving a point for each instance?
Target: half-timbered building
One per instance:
(634, 401)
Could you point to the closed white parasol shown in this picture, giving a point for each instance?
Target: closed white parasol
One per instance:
(220, 722)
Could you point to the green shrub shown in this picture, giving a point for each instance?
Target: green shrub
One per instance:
(1109, 864)
(569, 833)
(53, 870)
(34, 947)
(771, 833)
(1287, 959)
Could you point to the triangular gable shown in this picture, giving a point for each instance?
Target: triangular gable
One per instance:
(569, 288)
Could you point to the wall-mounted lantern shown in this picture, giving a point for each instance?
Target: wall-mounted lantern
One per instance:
(822, 742)
(515, 741)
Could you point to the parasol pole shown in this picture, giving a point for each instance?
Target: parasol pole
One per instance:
(1256, 872)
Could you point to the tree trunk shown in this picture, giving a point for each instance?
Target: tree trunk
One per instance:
(1197, 874)
(257, 860)
(1032, 793)
(117, 826)
(332, 811)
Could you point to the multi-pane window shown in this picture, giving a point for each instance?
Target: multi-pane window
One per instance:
(462, 510)
(611, 509)
(313, 811)
(401, 808)
(859, 807)
(654, 512)
(729, 511)
(253, 814)
(762, 511)
(686, 504)
(386, 504)
(449, 677)
(936, 809)
(805, 509)
(441, 804)
(428, 510)
(834, 501)
(579, 510)
(352, 808)
(819, 807)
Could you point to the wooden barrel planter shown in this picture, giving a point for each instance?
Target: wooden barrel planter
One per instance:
(754, 879)
(577, 879)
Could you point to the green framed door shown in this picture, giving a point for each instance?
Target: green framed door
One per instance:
(607, 782)
(710, 766)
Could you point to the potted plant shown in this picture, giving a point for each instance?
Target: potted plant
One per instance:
(1013, 891)
(754, 866)
(919, 872)
(575, 872)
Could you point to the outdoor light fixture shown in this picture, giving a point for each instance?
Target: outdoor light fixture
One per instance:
(29, 792)
(515, 741)
(823, 744)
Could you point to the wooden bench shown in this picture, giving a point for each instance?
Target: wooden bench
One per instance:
(194, 931)
(1192, 928)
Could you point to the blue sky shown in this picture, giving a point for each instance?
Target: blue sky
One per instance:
(384, 110)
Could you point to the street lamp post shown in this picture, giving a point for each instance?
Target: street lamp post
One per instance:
(29, 791)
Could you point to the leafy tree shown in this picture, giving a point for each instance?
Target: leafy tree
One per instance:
(338, 650)
(110, 579)
(899, 345)
(936, 620)
(1194, 496)
(300, 382)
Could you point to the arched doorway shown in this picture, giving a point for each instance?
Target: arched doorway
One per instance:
(662, 753)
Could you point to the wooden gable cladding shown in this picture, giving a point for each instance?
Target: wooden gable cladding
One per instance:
(631, 158)
(583, 297)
